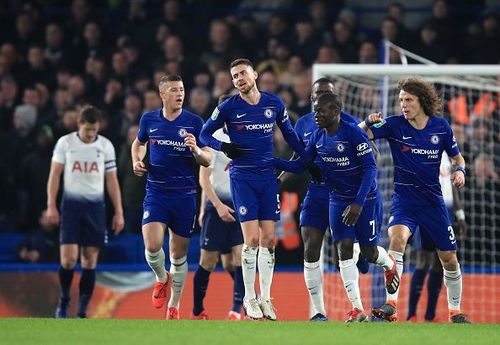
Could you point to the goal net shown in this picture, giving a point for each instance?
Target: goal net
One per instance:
(471, 97)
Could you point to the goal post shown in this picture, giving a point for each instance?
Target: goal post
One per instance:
(471, 103)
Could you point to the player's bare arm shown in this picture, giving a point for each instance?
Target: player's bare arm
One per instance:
(52, 215)
(113, 188)
(458, 176)
(225, 212)
(138, 152)
(201, 155)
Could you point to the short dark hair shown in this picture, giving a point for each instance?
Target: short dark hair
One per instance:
(167, 78)
(89, 114)
(331, 98)
(324, 80)
(241, 62)
(427, 94)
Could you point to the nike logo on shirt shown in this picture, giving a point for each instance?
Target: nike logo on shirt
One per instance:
(404, 138)
(240, 115)
(307, 134)
(153, 130)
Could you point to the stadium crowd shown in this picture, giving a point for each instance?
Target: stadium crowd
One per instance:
(56, 57)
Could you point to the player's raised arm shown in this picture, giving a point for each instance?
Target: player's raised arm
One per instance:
(201, 155)
(370, 120)
(291, 137)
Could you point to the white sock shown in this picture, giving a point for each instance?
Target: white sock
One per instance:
(398, 256)
(248, 268)
(266, 270)
(178, 272)
(383, 259)
(453, 283)
(350, 277)
(156, 260)
(356, 250)
(314, 284)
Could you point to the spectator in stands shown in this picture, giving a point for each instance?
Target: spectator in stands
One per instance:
(397, 12)
(250, 40)
(368, 53)
(130, 115)
(328, 54)
(268, 82)
(302, 92)
(485, 48)
(389, 30)
(25, 31)
(151, 100)
(295, 68)
(200, 102)
(114, 96)
(9, 100)
(222, 84)
(306, 41)
(320, 15)
(220, 46)
(429, 44)
(54, 50)
(345, 42)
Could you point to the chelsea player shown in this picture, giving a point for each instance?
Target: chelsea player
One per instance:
(348, 165)
(172, 135)
(250, 117)
(417, 139)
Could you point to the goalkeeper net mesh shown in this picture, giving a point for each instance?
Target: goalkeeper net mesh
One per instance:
(471, 105)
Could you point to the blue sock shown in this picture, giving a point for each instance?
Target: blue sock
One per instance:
(416, 285)
(434, 285)
(200, 285)
(239, 290)
(87, 283)
(65, 279)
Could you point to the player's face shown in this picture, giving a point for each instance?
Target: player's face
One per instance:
(88, 131)
(325, 114)
(410, 105)
(320, 88)
(243, 78)
(172, 94)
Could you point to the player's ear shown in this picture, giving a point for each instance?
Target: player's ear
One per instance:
(255, 74)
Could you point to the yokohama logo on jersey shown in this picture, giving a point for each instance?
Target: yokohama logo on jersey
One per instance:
(265, 126)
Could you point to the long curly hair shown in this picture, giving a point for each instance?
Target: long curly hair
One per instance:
(427, 94)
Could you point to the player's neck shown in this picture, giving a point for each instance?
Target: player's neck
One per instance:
(171, 114)
(252, 97)
(419, 121)
(333, 128)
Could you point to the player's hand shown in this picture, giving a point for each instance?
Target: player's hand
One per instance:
(232, 150)
(139, 168)
(315, 171)
(458, 179)
(225, 213)
(118, 223)
(190, 142)
(52, 216)
(375, 117)
(351, 214)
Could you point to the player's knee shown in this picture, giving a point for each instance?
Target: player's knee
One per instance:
(228, 266)
(345, 247)
(152, 247)
(370, 253)
(449, 260)
(68, 262)
(266, 242)
(311, 252)
(398, 243)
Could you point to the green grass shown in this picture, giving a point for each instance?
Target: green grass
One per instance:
(19, 331)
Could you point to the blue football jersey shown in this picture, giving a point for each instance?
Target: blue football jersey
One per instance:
(306, 125)
(251, 127)
(417, 157)
(347, 162)
(171, 167)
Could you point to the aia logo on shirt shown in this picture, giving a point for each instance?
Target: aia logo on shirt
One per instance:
(85, 167)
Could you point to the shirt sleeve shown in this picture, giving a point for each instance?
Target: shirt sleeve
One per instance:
(364, 154)
(383, 129)
(109, 157)
(215, 122)
(198, 125)
(450, 144)
(291, 137)
(142, 134)
(59, 154)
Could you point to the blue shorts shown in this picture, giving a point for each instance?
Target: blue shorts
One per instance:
(256, 199)
(83, 224)
(218, 235)
(432, 222)
(366, 230)
(177, 214)
(314, 212)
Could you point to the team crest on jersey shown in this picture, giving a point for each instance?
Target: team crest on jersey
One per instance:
(380, 124)
(145, 215)
(182, 132)
(268, 113)
(215, 114)
(340, 147)
(243, 210)
(435, 139)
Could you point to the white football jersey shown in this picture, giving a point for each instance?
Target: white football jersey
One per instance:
(85, 166)
(219, 178)
(445, 180)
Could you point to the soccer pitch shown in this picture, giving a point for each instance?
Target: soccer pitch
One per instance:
(122, 332)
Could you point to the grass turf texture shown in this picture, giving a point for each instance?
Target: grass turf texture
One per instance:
(17, 331)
